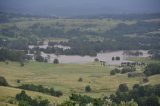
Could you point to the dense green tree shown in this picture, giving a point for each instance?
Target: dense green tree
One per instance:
(56, 61)
(88, 88)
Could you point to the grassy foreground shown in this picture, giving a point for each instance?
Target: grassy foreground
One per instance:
(64, 77)
(7, 94)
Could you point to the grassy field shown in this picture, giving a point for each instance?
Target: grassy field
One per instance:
(65, 77)
(7, 94)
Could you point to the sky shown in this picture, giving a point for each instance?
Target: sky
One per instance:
(80, 7)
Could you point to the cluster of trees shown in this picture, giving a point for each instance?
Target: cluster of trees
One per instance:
(140, 95)
(83, 100)
(124, 70)
(80, 44)
(114, 39)
(114, 71)
(25, 100)
(144, 95)
(116, 58)
(152, 69)
(155, 54)
(133, 53)
(40, 88)
(12, 55)
(78, 47)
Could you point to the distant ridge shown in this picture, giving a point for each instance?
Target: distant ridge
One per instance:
(80, 7)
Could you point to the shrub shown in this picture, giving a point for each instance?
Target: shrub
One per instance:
(145, 80)
(39, 58)
(57, 93)
(56, 61)
(117, 58)
(25, 100)
(22, 64)
(136, 86)
(80, 79)
(152, 69)
(12, 101)
(112, 72)
(40, 88)
(123, 88)
(134, 74)
(3, 81)
(18, 81)
(152, 101)
(127, 69)
(96, 59)
(117, 70)
(88, 88)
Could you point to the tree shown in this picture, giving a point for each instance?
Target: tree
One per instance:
(123, 88)
(152, 101)
(56, 61)
(18, 81)
(25, 100)
(117, 58)
(112, 72)
(88, 88)
(130, 103)
(96, 59)
(39, 58)
(80, 79)
(3, 81)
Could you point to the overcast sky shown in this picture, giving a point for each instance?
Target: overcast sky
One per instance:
(80, 7)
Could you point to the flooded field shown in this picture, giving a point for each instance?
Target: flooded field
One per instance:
(107, 57)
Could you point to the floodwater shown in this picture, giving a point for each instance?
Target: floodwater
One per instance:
(46, 45)
(106, 56)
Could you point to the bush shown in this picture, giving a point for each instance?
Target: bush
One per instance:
(145, 95)
(117, 58)
(80, 79)
(22, 64)
(39, 58)
(56, 61)
(3, 81)
(18, 81)
(134, 74)
(127, 69)
(136, 86)
(88, 88)
(12, 101)
(25, 100)
(112, 72)
(123, 88)
(145, 80)
(152, 101)
(152, 69)
(57, 93)
(40, 88)
(96, 60)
